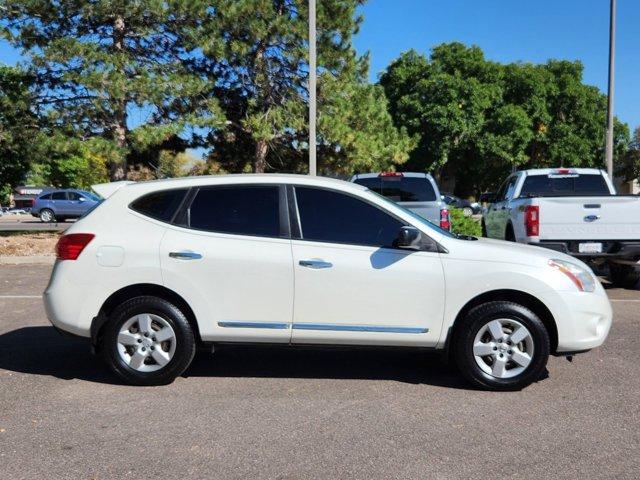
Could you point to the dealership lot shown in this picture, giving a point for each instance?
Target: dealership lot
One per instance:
(282, 413)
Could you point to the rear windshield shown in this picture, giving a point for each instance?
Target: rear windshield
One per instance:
(564, 185)
(400, 189)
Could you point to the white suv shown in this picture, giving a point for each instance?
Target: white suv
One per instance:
(161, 267)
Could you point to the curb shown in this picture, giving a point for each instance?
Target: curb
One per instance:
(28, 260)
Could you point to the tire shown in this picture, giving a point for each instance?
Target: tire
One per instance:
(509, 236)
(623, 276)
(484, 229)
(47, 215)
(136, 325)
(467, 211)
(505, 366)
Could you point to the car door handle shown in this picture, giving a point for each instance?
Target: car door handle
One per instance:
(315, 264)
(186, 255)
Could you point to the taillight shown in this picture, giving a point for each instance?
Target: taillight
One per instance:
(532, 220)
(70, 246)
(445, 219)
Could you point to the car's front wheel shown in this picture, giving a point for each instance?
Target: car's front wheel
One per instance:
(148, 341)
(501, 346)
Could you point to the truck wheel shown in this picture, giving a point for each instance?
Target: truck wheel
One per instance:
(509, 236)
(623, 276)
(501, 346)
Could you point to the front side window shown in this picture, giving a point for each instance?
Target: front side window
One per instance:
(332, 217)
(74, 196)
(160, 205)
(240, 210)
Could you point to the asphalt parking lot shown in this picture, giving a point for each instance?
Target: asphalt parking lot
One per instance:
(287, 413)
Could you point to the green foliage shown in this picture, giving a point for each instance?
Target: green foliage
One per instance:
(96, 60)
(18, 125)
(628, 168)
(464, 225)
(477, 119)
(255, 53)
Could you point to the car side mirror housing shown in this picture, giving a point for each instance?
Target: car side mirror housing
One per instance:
(409, 238)
(82, 199)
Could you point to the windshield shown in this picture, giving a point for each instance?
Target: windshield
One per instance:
(91, 196)
(400, 188)
(418, 218)
(564, 185)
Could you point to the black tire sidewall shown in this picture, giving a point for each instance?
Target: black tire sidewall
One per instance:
(480, 316)
(185, 342)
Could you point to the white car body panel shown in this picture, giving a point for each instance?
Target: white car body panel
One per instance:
(253, 279)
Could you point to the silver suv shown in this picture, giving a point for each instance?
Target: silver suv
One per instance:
(417, 192)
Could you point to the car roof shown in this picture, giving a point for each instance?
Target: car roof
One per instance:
(404, 174)
(230, 179)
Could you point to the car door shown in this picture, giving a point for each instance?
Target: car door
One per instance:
(60, 203)
(498, 214)
(76, 204)
(351, 285)
(230, 258)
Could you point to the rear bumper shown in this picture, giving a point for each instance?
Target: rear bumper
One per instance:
(623, 249)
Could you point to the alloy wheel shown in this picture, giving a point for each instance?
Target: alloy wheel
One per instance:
(503, 348)
(146, 342)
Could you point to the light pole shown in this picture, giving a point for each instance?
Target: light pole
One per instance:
(312, 88)
(610, 89)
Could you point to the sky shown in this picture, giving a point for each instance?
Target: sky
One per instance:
(507, 31)
(514, 30)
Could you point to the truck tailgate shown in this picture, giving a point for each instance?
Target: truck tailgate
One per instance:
(589, 218)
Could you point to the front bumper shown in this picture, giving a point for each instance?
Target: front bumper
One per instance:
(583, 319)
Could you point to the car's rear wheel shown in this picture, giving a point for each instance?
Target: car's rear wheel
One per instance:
(624, 276)
(47, 215)
(501, 346)
(148, 341)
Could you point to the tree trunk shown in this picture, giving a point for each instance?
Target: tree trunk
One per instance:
(118, 169)
(260, 158)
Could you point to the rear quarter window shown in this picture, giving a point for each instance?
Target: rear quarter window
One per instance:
(161, 205)
(400, 189)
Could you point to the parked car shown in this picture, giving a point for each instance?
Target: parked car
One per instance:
(417, 192)
(161, 267)
(574, 211)
(59, 205)
(467, 206)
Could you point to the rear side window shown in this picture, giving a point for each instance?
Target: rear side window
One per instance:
(160, 205)
(240, 210)
(400, 188)
(46, 197)
(565, 185)
(59, 196)
(333, 217)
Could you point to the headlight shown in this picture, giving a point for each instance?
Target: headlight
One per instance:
(582, 278)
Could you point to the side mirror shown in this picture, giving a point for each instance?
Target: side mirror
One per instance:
(409, 238)
(82, 199)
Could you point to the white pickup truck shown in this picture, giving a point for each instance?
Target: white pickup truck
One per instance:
(572, 210)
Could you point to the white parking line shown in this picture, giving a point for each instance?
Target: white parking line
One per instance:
(622, 300)
(20, 296)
